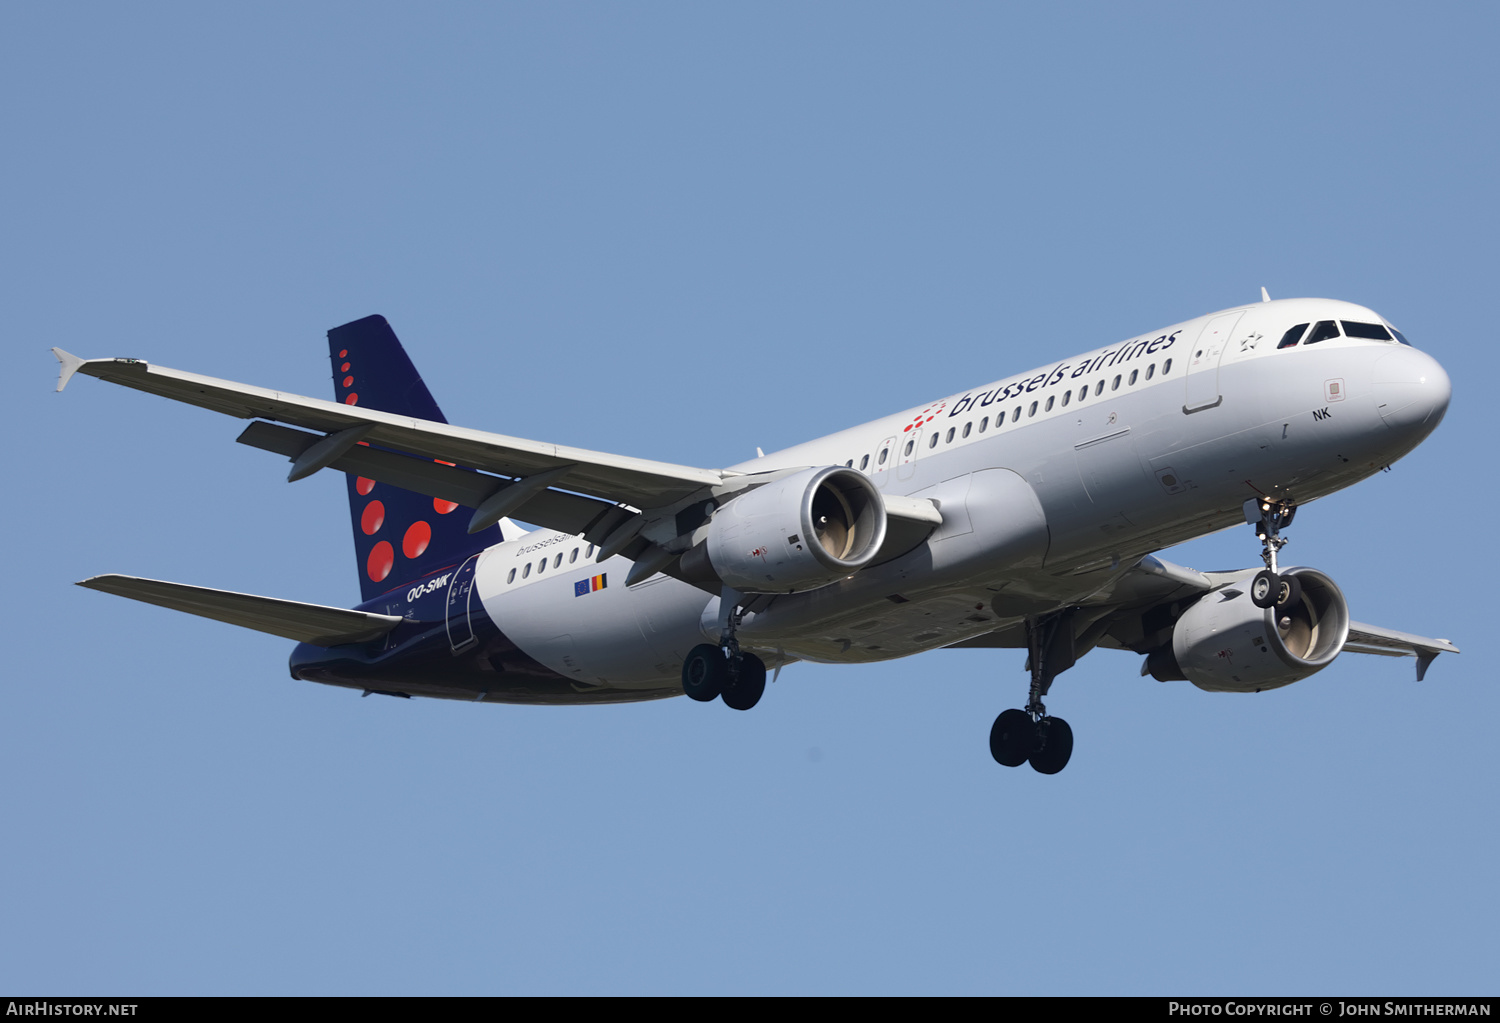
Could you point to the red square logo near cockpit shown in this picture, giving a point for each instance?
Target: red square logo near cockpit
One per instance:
(1333, 390)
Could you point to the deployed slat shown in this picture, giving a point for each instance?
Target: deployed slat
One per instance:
(290, 619)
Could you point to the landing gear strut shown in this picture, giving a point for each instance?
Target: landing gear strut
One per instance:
(1019, 736)
(724, 671)
(1269, 588)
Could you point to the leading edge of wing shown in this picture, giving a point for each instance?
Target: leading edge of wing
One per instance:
(636, 481)
(318, 624)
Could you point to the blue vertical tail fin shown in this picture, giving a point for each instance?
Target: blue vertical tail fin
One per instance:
(399, 536)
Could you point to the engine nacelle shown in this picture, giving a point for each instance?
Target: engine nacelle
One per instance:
(1225, 644)
(800, 532)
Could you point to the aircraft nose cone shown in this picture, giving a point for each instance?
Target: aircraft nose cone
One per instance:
(1411, 390)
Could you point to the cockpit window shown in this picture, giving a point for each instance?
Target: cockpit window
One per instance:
(1292, 336)
(1322, 332)
(1373, 331)
(1401, 337)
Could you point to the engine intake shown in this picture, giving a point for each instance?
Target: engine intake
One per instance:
(1225, 644)
(800, 532)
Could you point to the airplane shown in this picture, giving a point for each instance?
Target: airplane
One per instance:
(1024, 513)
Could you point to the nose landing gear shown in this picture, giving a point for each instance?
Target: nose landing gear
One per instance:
(1269, 588)
(1032, 735)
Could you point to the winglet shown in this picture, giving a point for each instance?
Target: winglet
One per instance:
(1265, 296)
(70, 364)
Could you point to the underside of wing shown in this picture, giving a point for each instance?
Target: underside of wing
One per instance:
(615, 478)
(290, 619)
(1372, 639)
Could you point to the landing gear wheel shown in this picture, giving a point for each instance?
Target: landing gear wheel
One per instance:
(744, 691)
(704, 672)
(1265, 588)
(1289, 593)
(1056, 739)
(1012, 738)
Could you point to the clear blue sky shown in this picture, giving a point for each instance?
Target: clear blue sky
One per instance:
(679, 232)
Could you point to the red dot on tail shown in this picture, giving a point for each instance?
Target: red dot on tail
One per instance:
(443, 507)
(343, 353)
(363, 485)
(373, 518)
(348, 381)
(344, 368)
(352, 399)
(382, 557)
(418, 536)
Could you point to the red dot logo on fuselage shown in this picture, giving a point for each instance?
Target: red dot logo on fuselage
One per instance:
(925, 416)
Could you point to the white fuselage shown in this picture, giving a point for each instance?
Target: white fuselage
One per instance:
(1051, 484)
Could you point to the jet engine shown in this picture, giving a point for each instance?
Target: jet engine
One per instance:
(800, 532)
(1225, 644)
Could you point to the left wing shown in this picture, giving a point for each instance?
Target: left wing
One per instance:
(1125, 605)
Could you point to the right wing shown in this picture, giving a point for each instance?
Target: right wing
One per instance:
(593, 494)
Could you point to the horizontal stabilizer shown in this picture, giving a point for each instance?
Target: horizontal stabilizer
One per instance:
(290, 619)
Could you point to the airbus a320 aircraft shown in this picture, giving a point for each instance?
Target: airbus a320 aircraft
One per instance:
(1022, 513)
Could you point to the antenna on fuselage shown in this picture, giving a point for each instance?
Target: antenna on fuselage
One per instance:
(1265, 296)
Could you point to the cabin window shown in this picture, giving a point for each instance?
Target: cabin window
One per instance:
(1291, 337)
(1099, 389)
(951, 431)
(1322, 332)
(1067, 397)
(526, 571)
(590, 552)
(574, 556)
(984, 424)
(1016, 415)
(864, 463)
(510, 578)
(1133, 374)
(1050, 399)
(1116, 385)
(557, 561)
(1031, 411)
(1372, 331)
(541, 566)
(909, 445)
(969, 426)
(933, 443)
(849, 464)
(1166, 367)
(883, 453)
(1150, 371)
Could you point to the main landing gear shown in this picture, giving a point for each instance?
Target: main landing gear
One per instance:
(1032, 735)
(1269, 588)
(724, 671)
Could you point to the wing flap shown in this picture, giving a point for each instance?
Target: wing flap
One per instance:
(307, 623)
(617, 478)
(553, 509)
